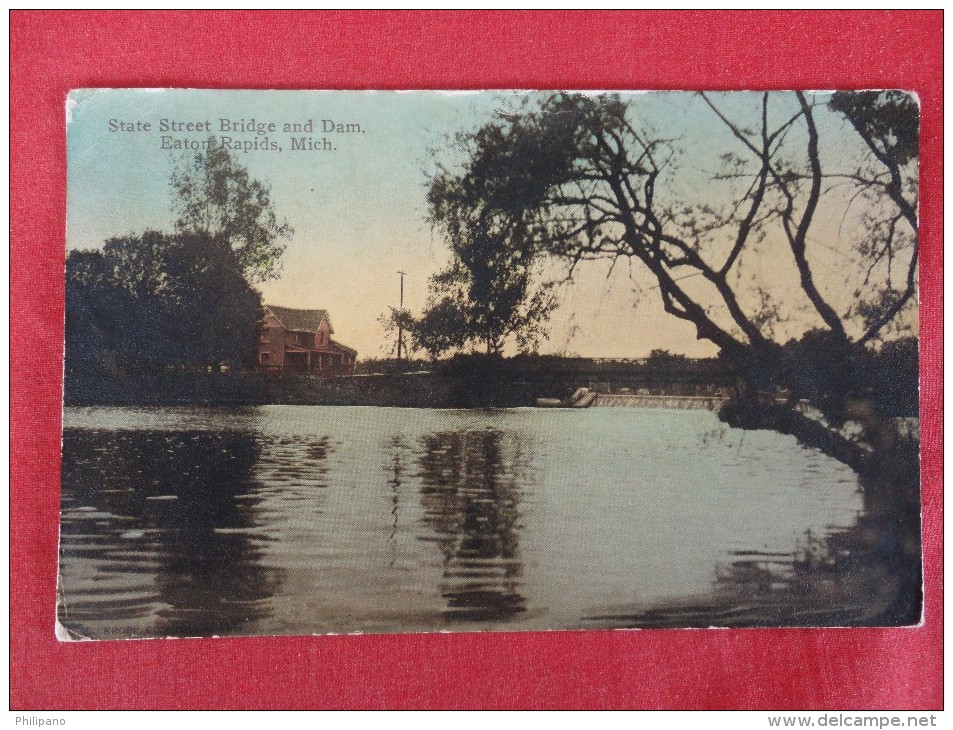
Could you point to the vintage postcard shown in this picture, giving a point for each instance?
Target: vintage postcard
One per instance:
(356, 361)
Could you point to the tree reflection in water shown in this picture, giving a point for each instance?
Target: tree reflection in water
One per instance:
(173, 548)
(471, 496)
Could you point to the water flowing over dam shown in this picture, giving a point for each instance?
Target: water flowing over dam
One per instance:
(586, 398)
(681, 402)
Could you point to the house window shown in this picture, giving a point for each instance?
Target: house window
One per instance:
(265, 358)
(265, 336)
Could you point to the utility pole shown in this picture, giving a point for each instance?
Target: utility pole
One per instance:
(400, 329)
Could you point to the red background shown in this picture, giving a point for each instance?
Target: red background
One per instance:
(53, 52)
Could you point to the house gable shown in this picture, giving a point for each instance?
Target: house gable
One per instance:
(323, 335)
(300, 320)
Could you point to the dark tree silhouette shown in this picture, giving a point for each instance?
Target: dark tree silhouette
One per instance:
(153, 302)
(490, 293)
(160, 301)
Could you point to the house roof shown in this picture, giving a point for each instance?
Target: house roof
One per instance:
(299, 320)
(344, 348)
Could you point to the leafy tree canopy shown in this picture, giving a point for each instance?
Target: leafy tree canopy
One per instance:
(151, 302)
(216, 197)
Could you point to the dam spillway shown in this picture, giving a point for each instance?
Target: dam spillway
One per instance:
(680, 402)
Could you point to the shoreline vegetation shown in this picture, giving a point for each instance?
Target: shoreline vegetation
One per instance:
(563, 180)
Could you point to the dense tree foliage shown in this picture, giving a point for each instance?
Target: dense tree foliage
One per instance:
(482, 306)
(215, 197)
(487, 294)
(490, 295)
(154, 302)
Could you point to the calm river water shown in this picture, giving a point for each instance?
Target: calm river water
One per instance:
(308, 519)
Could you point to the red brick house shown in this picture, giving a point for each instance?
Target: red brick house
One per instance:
(299, 340)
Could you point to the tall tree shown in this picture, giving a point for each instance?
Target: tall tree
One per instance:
(215, 197)
(490, 294)
(587, 181)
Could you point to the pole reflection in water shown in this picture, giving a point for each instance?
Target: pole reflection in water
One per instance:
(396, 468)
(470, 492)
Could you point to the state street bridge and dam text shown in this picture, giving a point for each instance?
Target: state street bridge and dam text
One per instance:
(243, 135)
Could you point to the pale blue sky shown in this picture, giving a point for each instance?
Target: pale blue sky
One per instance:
(359, 211)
